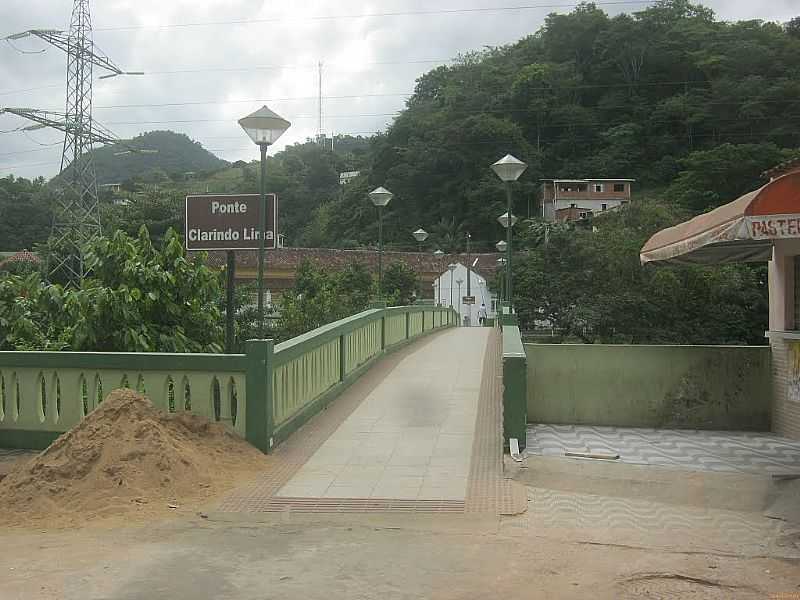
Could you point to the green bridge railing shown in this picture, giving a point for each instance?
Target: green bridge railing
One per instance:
(264, 394)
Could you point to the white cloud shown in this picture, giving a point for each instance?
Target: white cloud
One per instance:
(363, 57)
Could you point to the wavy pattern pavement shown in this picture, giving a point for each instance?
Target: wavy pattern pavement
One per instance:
(727, 452)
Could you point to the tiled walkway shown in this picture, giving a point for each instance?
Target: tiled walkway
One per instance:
(720, 451)
(421, 431)
(411, 437)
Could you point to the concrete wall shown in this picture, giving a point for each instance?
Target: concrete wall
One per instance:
(689, 387)
(784, 338)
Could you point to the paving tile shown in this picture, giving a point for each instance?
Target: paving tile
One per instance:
(444, 473)
(441, 493)
(370, 459)
(330, 458)
(293, 490)
(349, 491)
(400, 472)
(355, 474)
(396, 492)
(401, 460)
(313, 479)
(407, 448)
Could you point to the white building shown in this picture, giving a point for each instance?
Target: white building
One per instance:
(478, 288)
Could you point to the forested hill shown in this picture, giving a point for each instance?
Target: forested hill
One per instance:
(175, 153)
(648, 95)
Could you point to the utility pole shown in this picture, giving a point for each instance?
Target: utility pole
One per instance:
(77, 218)
(469, 278)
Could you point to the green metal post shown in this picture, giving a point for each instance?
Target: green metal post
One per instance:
(342, 357)
(258, 399)
(515, 386)
(262, 241)
(230, 309)
(508, 241)
(380, 253)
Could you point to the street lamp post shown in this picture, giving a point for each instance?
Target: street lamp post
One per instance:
(508, 169)
(438, 254)
(502, 246)
(380, 198)
(420, 235)
(264, 127)
(459, 282)
(451, 267)
(469, 278)
(501, 262)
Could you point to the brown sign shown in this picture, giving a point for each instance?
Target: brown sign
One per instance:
(468, 300)
(216, 222)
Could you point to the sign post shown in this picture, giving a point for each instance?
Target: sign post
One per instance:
(230, 302)
(230, 223)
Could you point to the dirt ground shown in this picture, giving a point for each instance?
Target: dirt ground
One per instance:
(125, 461)
(591, 531)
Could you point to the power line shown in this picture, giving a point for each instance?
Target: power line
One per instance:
(721, 136)
(697, 85)
(374, 15)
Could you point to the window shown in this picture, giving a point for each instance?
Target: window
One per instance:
(619, 187)
(573, 187)
(598, 188)
(573, 205)
(605, 206)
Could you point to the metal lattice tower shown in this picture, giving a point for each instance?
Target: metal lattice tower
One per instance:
(77, 218)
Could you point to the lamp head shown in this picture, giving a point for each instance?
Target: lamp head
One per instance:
(509, 168)
(264, 126)
(501, 246)
(506, 220)
(420, 235)
(380, 196)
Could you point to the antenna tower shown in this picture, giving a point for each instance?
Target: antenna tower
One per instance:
(320, 133)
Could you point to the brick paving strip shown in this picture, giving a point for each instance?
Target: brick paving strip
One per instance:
(487, 490)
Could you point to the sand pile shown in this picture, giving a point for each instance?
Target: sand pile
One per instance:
(126, 456)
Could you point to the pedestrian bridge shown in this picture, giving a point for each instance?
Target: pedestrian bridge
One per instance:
(393, 408)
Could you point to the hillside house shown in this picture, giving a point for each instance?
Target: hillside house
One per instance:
(565, 200)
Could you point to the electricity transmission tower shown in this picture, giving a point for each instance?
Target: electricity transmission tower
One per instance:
(77, 216)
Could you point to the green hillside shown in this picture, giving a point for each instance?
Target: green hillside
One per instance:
(175, 153)
(669, 96)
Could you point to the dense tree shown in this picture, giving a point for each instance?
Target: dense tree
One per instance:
(139, 298)
(587, 283)
(320, 296)
(26, 216)
(713, 177)
(400, 284)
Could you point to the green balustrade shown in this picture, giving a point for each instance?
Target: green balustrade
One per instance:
(416, 321)
(363, 345)
(395, 329)
(264, 395)
(43, 394)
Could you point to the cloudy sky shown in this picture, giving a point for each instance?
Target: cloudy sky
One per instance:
(209, 62)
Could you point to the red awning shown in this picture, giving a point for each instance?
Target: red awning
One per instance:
(742, 231)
